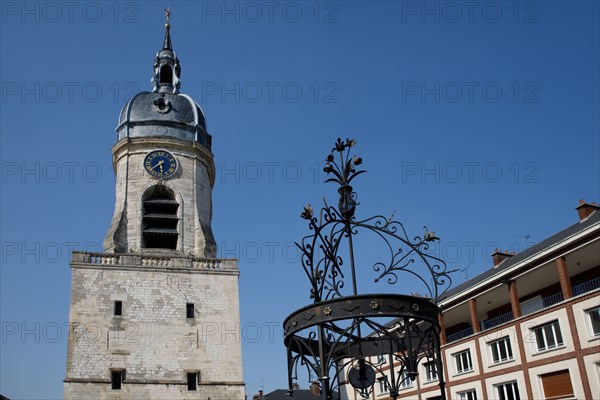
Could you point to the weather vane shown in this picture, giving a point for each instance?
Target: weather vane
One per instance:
(168, 16)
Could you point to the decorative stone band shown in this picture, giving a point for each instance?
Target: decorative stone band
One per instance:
(137, 261)
(153, 382)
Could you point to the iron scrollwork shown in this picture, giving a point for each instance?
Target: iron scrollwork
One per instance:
(344, 332)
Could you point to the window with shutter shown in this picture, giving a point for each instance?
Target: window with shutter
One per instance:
(557, 385)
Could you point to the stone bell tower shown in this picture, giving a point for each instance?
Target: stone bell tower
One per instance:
(156, 315)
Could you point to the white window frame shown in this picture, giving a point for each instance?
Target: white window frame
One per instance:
(502, 390)
(593, 333)
(554, 328)
(498, 345)
(383, 385)
(459, 368)
(430, 371)
(405, 381)
(467, 395)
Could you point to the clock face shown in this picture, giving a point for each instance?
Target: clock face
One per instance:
(160, 164)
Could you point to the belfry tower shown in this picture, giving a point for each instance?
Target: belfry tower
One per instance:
(156, 315)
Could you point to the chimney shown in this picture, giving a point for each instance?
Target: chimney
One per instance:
(315, 388)
(498, 256)
(586, 209)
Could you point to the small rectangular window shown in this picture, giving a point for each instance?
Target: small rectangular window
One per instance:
(383, 385)
(594, 315)
(430, 371)
(189, 310)
(118, 307)
(468, 395)
(405, 380)
(117, 378)
(462, 361)
(508, 391)
(548, 336)
(192, 380)
(501, 350)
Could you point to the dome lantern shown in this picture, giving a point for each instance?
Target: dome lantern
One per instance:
(164, 112)
(167, 71)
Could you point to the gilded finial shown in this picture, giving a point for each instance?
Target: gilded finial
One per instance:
(168, 17)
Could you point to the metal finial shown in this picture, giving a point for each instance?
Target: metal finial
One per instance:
(168, 17)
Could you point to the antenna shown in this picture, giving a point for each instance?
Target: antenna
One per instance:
(523, 239)
(465, 271)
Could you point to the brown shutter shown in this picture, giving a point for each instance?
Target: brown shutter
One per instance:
(557, 385)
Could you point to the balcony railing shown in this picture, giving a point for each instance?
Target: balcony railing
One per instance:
(492, 322)
(552, 299)
(459, 335)
(547, 301)
(586, 286)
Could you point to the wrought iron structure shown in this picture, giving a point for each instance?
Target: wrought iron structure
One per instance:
(359, 336)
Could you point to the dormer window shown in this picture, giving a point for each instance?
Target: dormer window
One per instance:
(159, 219)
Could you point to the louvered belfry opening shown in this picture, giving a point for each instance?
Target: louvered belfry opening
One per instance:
(159, 221)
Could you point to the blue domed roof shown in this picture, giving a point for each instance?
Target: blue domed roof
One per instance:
(151, 114)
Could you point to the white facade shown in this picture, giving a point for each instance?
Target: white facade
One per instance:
(530, 330)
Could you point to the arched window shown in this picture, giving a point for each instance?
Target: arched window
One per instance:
(166, 74)
(159, 219)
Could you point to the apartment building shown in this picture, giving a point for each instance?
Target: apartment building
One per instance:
(528, 328)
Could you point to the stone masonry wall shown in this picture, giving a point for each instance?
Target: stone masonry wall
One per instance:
(192, 185)
(153, 340)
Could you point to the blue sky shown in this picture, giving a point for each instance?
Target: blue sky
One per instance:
(480, 121)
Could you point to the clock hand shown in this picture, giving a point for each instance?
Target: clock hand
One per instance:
(159, 164)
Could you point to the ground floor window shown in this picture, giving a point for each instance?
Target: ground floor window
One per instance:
(508, 391)
(467, 395)
(557, 385)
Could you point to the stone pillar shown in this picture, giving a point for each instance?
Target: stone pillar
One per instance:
(563, 277)
(474, 316)
(515, 303)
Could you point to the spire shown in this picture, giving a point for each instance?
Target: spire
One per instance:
(167, 44)
(166, 66)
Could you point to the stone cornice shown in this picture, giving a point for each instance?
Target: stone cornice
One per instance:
(154, 263)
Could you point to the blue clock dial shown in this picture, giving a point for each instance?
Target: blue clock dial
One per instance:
(160, 164)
